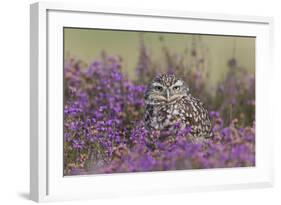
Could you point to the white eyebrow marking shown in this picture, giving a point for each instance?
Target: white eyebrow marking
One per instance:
(157, 84)
(178, 83)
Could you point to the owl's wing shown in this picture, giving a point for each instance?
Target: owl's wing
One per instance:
(197, 116)
(147, 116)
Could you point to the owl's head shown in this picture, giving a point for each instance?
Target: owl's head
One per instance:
(165, 88)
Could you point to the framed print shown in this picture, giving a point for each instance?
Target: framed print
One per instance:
(129, 101)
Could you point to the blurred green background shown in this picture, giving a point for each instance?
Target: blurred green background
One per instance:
(87, 45)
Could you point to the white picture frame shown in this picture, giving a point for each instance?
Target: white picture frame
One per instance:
(46, 177)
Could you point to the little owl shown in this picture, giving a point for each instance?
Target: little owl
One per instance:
(170, 106)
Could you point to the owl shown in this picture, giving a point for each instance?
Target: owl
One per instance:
(170, 106)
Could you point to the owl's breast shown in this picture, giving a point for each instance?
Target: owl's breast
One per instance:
(187, 111)
(159, 117)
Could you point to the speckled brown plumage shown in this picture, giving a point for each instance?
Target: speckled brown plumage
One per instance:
(169, 103)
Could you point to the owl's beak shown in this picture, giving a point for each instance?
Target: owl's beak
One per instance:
(168, 95)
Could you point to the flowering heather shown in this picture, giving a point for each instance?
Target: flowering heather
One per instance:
(104, 130)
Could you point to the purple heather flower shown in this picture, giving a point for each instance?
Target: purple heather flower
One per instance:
(103, 123)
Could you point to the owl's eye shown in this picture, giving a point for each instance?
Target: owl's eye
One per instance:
(176, 88)
(158, 88)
